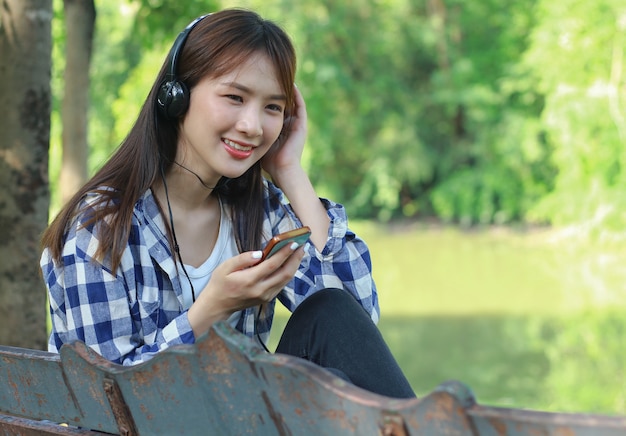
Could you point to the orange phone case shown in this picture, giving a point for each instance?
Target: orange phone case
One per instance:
(300, 236)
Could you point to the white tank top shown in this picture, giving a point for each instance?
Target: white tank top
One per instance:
(225, 248)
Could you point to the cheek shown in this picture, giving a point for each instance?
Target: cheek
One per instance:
(274, 128)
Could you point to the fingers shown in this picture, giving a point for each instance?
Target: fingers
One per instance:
(272, 264)
(242, 281)
(279, 277)
(300, 103)
(274, 273)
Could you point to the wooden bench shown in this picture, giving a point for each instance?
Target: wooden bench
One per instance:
(226, 385)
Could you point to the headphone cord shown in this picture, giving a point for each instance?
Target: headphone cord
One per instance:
(256, 329)
(197, 176)
(180, 259)
(176, 246)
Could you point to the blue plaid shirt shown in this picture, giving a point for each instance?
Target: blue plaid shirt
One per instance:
(130, 314)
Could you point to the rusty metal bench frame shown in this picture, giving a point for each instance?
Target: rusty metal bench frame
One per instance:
(225, 384)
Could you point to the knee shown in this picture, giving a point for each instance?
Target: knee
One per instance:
(330, 297)
(330, 302)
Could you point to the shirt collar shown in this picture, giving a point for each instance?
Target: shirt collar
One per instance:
(154, 233)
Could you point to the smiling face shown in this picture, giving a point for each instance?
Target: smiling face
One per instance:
(232, 120)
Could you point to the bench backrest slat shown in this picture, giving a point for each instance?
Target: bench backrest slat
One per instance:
(225, 384)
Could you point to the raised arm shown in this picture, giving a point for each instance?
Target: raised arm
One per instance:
(283, 163)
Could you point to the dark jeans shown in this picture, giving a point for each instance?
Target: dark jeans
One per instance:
(331, 329)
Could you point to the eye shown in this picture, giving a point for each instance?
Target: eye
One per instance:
(275, 108)
(234, 97)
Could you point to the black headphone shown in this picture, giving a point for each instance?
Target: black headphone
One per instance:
(173, 96)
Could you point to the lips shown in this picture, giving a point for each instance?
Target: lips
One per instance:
(237, 150)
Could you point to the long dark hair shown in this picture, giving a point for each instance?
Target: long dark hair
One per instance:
(218, 44)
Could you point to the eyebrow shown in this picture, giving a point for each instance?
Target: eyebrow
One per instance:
(247, 90)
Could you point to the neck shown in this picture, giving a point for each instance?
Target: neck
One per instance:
(210, 188)
(186, 191)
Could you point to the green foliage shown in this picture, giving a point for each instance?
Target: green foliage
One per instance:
(115, 54)
(578, 55)
(159, 21)
(404, 100)
(56, 83)
(474, 112)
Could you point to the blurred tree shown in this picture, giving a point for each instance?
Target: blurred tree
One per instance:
(157, 22)
(493, 161)
(414, 106)
(452, 108)
(363, 68)
(578, 57)
(25, 63)
(132, 40)
(80, 16)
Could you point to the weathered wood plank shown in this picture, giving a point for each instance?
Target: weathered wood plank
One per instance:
(514, 422)
(34, 385)
(12, 426)
(225, 384)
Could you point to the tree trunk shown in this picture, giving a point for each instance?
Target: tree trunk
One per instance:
(25, 96)
(80, 16)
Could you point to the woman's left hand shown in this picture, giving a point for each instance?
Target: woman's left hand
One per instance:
(286, 153)
(282, 162)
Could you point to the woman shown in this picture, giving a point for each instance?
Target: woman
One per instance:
(164, 240)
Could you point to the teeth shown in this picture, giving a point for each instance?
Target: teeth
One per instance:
(236, 146)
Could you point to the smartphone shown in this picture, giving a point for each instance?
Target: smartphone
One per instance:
(300, 236)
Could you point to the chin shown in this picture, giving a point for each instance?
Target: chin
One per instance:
(234, 174)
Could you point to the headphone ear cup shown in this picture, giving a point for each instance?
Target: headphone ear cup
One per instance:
(173, 99)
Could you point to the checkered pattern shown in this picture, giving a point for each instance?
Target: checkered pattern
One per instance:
(130, 314)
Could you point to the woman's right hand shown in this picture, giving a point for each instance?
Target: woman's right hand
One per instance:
(242, 282)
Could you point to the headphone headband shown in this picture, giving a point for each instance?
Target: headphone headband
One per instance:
(178, 45)
(173, 96)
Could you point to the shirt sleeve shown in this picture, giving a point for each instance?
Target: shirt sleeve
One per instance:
(117, 314)
(343, 263)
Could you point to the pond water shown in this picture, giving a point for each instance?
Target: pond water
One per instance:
(525, 319)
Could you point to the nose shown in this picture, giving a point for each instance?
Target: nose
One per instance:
(250, 122)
